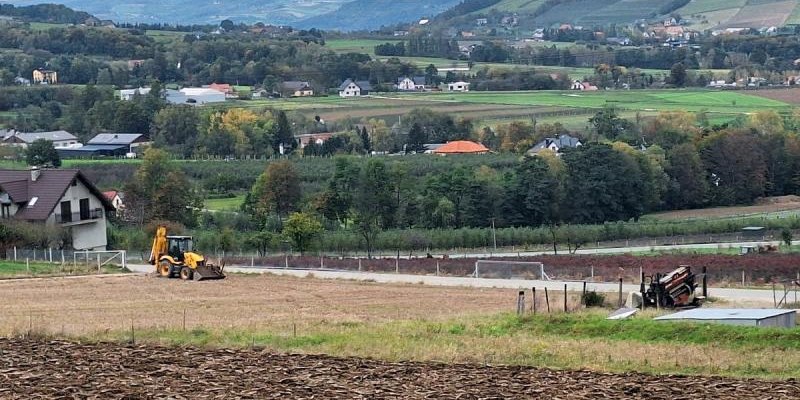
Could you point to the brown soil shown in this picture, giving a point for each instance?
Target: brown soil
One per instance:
(788, 95)
(723, 212)
(85, 305)
(32, 369)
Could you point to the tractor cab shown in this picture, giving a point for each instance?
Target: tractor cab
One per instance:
(178, 246)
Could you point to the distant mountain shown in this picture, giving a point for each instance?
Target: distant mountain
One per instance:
(371, 14)
(324, 14)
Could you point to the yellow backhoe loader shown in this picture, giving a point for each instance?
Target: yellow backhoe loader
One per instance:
(174, 257)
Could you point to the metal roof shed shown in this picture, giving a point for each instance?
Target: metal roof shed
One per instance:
(745, 317)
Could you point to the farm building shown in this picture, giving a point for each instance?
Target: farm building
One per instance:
(200, 96)
(107, 145)
(60, 139)
(461, 147)
(746, 317)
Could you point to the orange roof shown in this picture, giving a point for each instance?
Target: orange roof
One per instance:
(462, 147)
(110, 194)
(222, 87)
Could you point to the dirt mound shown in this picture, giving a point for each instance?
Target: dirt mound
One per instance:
(58, 369)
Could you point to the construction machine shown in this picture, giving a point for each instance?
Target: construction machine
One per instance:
(174, 257)
(673, 290)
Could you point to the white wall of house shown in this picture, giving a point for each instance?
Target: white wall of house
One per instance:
(350, 91)
(406, 84)
(88, 234)
(458, 87)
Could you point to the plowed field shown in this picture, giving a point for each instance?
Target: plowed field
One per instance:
(31, 369)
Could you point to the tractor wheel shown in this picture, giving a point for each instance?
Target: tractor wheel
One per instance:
(186, 273)
(164, 268)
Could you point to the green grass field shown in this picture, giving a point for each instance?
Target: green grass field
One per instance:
(644, 100)
(230, 204)
(571, 341)
(702, 6)
(366, 46)
(9, 269)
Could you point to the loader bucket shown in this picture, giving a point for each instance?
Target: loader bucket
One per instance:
(208, 272)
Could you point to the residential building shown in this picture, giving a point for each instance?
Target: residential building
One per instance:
(116, 199)
(57, 197)
(461, 147)
(60, 139)
(459, 86)
(296, 89)
(45, 77)
(556, 144)
(481, 21)
(583, 86)
(199, 96)
(312, 138)
(129, 94)
(350, 88)
(222, 87)
(401, 33)
(135, 63)
(406, 84)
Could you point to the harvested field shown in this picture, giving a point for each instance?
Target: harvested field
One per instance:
(777, 206)
(787, 95)
(47, 369)
(86, 305)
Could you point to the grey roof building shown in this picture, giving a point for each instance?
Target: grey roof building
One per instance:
(556, 144)
(59, 138)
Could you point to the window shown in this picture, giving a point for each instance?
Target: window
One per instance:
(84, 209)
(66, 211)
(5, 211)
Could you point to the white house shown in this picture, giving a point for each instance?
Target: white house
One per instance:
(129, 94)
(583, 86)
(350, 88)
(407, 84)
(201, 96)
(60, 139)
(57, 197)
(459, 86)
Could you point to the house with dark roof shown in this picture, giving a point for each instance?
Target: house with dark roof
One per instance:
(351, 88)
(556, 144)
(57, 197)
(296, 89)
(108, 145)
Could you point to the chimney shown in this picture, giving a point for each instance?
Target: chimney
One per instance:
(35, 172)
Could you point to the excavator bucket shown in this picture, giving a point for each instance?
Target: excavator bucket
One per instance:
(208, 272)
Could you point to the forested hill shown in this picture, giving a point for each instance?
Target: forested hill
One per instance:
(327, 14)
(703, 13)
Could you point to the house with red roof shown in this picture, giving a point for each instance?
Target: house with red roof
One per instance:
(461, 147)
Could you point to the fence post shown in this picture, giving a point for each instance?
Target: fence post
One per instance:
(359, 265)
(98, 263)
(619, 302)
(51, 254)
(397, 264)
(565, 299)
(286, 261)
(533, 300)
(437, 267)
(28, 265)
(15, 253)
(521, 303)
(547, 299)
(583, 296)
(321, 263)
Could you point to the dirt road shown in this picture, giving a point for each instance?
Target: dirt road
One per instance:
(57, 369)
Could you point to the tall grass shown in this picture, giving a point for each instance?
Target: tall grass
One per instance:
(561, 341)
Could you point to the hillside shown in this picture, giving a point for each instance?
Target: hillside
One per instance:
(325, 14)
(704, 13)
